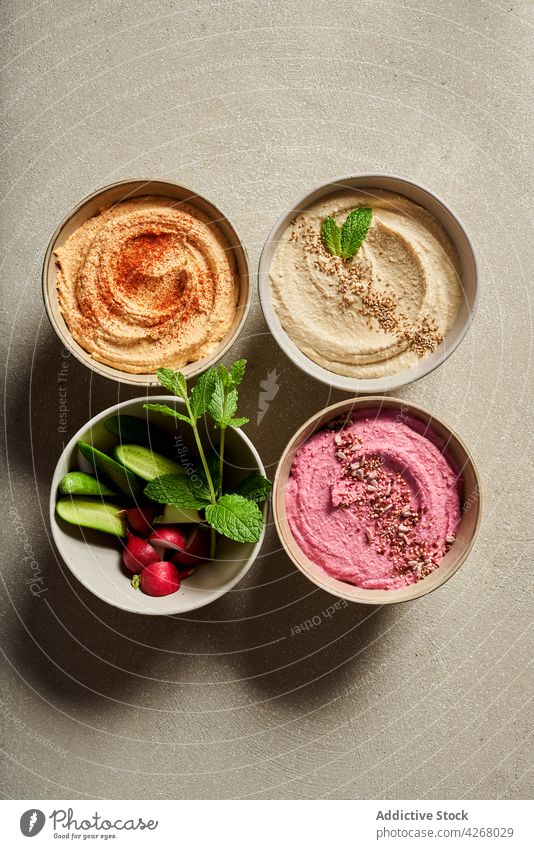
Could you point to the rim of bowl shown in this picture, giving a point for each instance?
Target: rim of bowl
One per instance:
(213, 595)
(59, 324)
(299, 358)
(313, 571)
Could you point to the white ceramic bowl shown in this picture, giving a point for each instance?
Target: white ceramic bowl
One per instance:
(115, 193)
(95, 558)
(469, 280)
(467, 529)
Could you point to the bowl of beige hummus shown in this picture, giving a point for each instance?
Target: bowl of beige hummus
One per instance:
(376, 501)
(146, 274)
(385, 315)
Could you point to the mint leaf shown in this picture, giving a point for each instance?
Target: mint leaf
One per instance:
(224, 374)
(355, 230)
(236, 517)
(223, 402)
(199, 486)
(174, 381)
(331, 236)
(231, 405)
(239, 422)
(167, 411)
(255, 487)
(202, 392)
(216, 403)
(176, 490)
(237, 372)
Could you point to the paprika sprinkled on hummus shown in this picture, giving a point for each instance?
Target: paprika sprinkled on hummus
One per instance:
(374, 500)
(146, 283)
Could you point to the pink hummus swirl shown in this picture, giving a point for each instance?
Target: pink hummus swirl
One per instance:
(375, 503)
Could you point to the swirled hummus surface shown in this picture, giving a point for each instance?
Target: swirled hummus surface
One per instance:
(146, 283)
(374, 501)
(383, 310)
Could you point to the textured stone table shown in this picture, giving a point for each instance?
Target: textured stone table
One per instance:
(251, 104)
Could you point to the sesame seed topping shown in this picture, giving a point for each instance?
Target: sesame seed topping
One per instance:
(381, 499)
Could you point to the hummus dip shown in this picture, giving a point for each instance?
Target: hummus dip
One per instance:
(375, 503)
(146, 283)
(380, 312)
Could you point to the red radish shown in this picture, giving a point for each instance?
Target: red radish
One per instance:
(186, 572)
(160, 578)
(137, 554)
(197, 549)
(141, 518)
(168, 536)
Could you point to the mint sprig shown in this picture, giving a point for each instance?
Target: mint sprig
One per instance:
(331, 236)
(346, 241)
(201, 393)
(222, 405)
(236, 517)
(167, 411)
(234, 514)
(174, 381)
(179, 491)
(255, 487)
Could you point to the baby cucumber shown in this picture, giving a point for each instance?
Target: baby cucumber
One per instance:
(80, 483)
(177, 516)
(123, 478)
(88, 513)
(130, 429)
(146, 463)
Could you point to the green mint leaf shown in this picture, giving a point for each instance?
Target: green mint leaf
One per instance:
(216, 403)
(224, 374)
(255, 487)
(198, 484)
(202, 392)
(167, 411)
(176, 490)
(223, 402)
(237, 372)
(135, 581)
(239, 422)
(231, 405)
(174, 381)
(355, 230)
(236, 517)
(331, 236)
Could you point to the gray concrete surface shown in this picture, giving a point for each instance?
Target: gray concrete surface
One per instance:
(252, 103)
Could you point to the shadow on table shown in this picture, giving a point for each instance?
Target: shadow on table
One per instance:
(276, 633)
(320, 644)
(289, 643)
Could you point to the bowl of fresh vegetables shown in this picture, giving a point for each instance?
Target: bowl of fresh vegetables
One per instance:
(158, 505)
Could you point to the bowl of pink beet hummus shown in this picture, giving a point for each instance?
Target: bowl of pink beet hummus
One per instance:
(377, 501)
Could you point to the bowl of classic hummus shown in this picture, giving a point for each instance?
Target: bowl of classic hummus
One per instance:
(146, 274)
(377, 501)
(385, 316)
